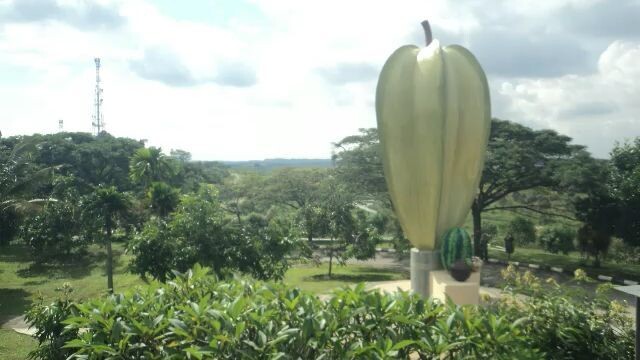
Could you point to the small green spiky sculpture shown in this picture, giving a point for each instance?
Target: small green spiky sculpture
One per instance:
(456, 245)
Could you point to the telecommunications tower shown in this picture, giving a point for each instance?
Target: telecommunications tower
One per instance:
(98, 119)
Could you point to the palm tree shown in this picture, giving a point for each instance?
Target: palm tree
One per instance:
(163, 198)
(108, 206)
(19, 180)
(150, 164)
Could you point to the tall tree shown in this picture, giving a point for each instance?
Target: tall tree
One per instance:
(163, 198)
(20, 183)
(299, 189)
(350, 236)
(108, 205)
(150, 164)
(519, 159)
(358, 164)
(624, 187)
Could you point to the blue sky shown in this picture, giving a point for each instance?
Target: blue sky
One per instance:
(253, 79)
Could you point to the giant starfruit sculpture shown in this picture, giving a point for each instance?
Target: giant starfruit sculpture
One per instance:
(434, 117)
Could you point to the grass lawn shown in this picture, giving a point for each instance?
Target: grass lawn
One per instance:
(570, 261)
(314, 278)
(14, 346)
(21, 282)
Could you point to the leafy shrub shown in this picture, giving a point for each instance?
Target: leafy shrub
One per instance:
(199, 232)
(523, 230)
(197, 316)
(55, 233)
(566, 321)
(50, 331)
(622, 252)
(557, 239)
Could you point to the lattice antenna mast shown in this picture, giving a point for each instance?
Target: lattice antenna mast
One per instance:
(98, 118)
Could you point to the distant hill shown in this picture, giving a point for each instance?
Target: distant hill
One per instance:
(272, 164)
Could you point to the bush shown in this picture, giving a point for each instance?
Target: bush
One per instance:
(566, 321)
(55, 233)
(199, 232)
(622, 252)
(50, 331)
(557, 239)
(523, 230)
(197, 316)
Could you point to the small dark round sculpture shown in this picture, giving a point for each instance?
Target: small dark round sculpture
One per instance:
(460, 270)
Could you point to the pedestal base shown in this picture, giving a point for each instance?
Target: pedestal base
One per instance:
(442, 285)
(423, 262)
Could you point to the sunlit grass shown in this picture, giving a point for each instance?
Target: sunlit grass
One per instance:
(315, 279)
(22, 282)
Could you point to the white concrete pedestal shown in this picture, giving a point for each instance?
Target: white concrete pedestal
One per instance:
(442, 285)
(423, 262)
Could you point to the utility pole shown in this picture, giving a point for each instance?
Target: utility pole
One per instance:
(98, 119)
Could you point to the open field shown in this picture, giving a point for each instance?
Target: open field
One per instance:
(21, 283)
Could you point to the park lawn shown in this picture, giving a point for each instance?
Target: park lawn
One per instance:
(21, 282)
(571, 261)
(314, 278)
(14, 346)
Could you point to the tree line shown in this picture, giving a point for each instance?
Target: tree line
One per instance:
(59, 193)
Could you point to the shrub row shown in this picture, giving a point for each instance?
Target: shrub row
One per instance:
(196, 316)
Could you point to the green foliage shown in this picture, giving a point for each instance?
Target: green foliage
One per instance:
(555, 239)
(624, 186)
(48, 319)
(456, 245)
(349, 229)
(109, 208)
(56, 233)
(163, 198)
(593, 242)
(9, 225)
(150, 164)
(622, 252)
(199, 232)
(566, 321)
(358, 164)
(197, 316)
(523, 230)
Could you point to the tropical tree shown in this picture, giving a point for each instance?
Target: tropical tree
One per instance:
(108, 207)
(350, 236)
(200, 231)
(20, 183)
(150, 164)
(624, 188)
(163, 198)
(518, 159)
(300, 190)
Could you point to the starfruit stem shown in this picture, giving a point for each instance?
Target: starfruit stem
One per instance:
(427, 32)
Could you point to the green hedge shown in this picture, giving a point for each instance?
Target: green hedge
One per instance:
(196, 316)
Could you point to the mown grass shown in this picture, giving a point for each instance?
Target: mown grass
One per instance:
(14, 346)
(315, 279)
(571, 261)
(22, 282)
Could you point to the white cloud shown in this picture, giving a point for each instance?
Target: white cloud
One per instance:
(595, 109)
(167, 80)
